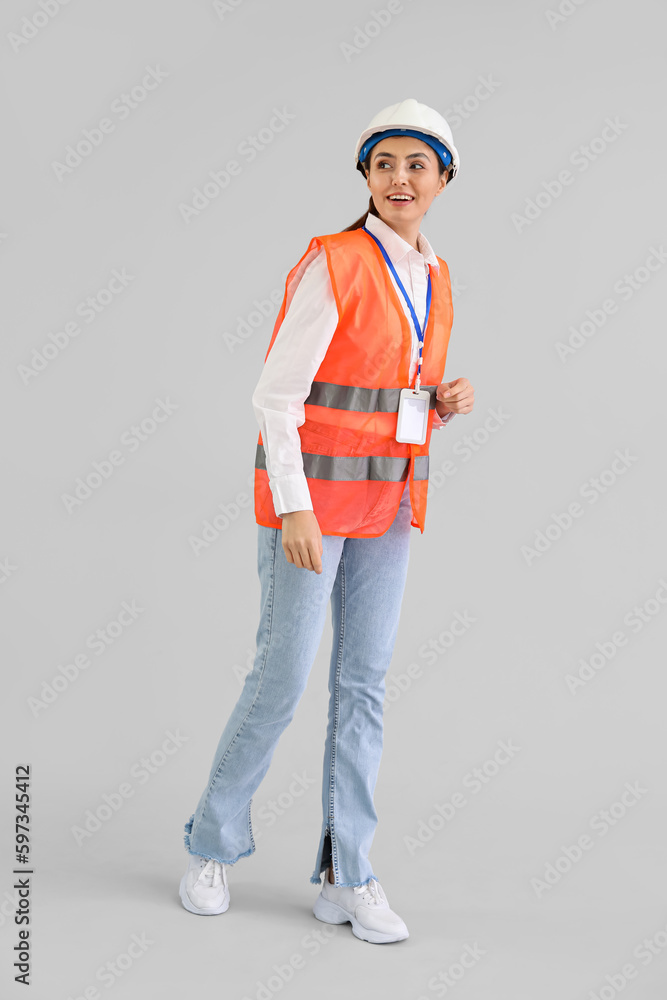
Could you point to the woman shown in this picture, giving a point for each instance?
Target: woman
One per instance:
(341, 476)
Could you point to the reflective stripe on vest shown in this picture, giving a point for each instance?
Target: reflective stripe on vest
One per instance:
(353, 397)
(352, 467)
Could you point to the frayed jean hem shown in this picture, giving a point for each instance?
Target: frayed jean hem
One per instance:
(210, 857)
(223, 861)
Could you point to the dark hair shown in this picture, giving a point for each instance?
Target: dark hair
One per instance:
(372, 210)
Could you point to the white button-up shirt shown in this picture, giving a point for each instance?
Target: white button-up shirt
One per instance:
(299, 349)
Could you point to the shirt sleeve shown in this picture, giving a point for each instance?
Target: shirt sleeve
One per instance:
(439, 422)
(278, 400)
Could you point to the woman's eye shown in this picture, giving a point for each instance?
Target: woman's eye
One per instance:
(385, 163)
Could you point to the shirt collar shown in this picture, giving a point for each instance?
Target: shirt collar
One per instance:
(396, 246)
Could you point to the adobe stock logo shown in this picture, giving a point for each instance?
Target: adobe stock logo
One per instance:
(122, 107)
(592, 490)
(365, 33)
(221, 7)
(601, 823)
(462, 110)
(636, 619)
(582, 157)
(99, 642)
(625, 288)
(88, 309)
(249, 148)
(474, 781)
(33, 24)
(141, 771)
(103, 469)
(566, 8)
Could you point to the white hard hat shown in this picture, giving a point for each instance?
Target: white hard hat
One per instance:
(411, 118)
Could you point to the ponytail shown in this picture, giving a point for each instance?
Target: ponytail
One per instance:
(361, 221)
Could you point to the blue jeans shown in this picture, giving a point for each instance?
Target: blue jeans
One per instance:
(364, 578)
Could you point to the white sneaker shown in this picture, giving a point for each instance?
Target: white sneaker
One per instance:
(365, 906)
(204, 887)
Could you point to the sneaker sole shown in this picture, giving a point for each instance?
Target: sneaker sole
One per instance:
(332, 913)
(189, 905)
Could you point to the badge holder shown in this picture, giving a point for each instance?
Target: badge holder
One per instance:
(413, 404)
(413, 412)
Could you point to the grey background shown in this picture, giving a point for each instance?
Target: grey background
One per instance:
(179, 666)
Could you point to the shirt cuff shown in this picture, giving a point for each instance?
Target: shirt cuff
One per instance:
(290, 493)
(439, 421)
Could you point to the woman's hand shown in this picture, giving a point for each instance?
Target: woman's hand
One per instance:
(454, 397)
(302, 539)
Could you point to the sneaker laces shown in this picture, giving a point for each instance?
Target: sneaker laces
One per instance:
(371, 892)
(211, 873)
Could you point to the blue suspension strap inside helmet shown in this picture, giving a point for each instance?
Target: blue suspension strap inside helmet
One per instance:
(430, 140)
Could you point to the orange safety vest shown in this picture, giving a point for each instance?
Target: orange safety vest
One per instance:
(355, 467)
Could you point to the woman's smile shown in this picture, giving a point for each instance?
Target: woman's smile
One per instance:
(400, 199)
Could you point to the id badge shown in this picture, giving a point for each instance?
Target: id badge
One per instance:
(412, 420)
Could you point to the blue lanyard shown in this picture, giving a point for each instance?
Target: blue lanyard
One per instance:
(420, 331)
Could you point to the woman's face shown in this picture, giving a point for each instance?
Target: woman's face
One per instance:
(405, 165)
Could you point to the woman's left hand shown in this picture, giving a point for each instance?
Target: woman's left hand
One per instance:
(455, 397)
